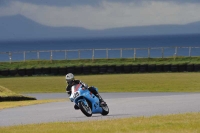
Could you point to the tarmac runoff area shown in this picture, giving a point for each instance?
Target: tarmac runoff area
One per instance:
(121, 105)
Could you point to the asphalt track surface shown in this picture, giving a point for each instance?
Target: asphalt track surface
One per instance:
(120, 104)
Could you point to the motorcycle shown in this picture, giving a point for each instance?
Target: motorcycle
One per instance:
(87, 102)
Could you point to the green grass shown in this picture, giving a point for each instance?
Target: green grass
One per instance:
(6, 92)
(152, 82)
(157, 82)
(12, 104)
(180, 123)
(85, 62)
(8, 95)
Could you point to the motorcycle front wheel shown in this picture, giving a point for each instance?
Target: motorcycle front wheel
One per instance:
(85, 109)
(105, 110)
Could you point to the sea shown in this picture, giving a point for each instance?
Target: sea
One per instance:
(110, 47)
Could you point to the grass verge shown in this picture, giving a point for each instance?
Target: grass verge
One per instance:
(8, 95)
(5, 105)
(180, 123)
(152, 82)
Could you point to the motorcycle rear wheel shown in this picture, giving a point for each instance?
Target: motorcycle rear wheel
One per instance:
(85, 109)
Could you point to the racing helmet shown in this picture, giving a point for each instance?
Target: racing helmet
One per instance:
(69, 78)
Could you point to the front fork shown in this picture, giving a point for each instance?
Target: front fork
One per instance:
(84, 101)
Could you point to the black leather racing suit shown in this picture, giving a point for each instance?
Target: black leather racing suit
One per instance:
(74, 82)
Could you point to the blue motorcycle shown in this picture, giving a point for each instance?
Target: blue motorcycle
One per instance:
(87, 102)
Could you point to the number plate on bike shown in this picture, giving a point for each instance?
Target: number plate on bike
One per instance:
(76, 94)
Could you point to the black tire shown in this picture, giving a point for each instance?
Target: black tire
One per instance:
(128, 68)
(94, 69)
(86, 69)
(111, 69)
(78, 69)
(119, 69)
(13, 72)
(86, 110)
(174, 67)
(135, 68)
(46, 70)
(71, 69)
(167, 67)
(29, 71)
(103, 69)
(159, 68)
(22, 72)
(105, 110)
(37, 71)
(151, 68)
(143, 68)
(190, 67)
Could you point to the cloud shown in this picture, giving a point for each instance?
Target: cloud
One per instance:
(107, 14)
(91, 2)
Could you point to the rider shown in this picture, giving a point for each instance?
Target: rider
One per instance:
(72, 81)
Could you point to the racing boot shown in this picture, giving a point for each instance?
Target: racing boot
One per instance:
(76, 107)
(102, 102)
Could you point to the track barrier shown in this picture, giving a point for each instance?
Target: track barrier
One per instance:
(104, 69)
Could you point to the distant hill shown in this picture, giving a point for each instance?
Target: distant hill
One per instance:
(20, 28)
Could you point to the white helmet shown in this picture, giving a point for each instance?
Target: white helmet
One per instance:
(69, 78)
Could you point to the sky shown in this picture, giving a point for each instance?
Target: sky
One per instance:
(103, 14)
